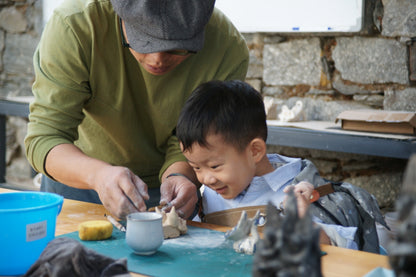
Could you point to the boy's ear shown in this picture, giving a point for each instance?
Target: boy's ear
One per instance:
(258, 149)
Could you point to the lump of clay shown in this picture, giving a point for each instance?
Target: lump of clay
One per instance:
(173, 225)
(243, 227)
(244, 234)
(296, 113)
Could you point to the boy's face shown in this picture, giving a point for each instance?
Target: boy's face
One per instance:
(221, 166)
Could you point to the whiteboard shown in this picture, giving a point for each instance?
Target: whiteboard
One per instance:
(294, 15)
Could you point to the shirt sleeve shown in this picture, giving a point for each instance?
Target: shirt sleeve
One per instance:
(61, 89)
(173, 154)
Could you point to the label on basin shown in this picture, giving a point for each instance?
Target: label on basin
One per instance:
(36, 231)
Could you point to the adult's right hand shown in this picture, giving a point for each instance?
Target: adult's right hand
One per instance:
(120, 190)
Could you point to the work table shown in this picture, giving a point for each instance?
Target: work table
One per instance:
(337, 262)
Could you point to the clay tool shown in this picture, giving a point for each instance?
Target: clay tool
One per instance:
(321, 191)
(160, 207)
(115, 223)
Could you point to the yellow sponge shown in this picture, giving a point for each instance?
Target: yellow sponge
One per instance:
(95, 230)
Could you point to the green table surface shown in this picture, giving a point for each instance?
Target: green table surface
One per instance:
(200, 252)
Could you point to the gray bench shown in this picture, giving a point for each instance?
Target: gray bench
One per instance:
(346, 142)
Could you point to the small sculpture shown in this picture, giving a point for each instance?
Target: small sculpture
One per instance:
(173, 225)
(296, 113)
(270, 106)
(402, 250)
(244, 234)
(290, 246)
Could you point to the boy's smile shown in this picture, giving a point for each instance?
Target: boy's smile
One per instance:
(221, 166)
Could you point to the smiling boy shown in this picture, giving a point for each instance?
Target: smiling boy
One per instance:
(222, 132)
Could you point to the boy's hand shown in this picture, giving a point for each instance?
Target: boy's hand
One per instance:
(303, 192)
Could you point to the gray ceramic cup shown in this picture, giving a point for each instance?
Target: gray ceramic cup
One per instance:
(144, 232)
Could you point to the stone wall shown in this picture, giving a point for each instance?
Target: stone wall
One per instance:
(333, 73)
(20, 29)
(329, 73)
(369, 69)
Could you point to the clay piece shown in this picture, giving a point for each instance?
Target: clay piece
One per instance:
(270, 105)
(296, 113)
(290, 244)
(245, 234)
(173, 225)
(402, 249)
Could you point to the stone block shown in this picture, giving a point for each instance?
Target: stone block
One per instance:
(370, 100)
(320, 92)
(273, 91)
(255, 83)
(400, 100)
(384, 186)
(18, 55)
(293, 62)
(12, 20)
(2, 42)
(371, 60)
(255, 66)
(18, 65)
(399, 18)
(348, 88)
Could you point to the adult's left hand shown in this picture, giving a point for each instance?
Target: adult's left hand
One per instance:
(180, 192)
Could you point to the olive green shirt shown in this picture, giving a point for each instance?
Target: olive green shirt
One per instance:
(90, 90)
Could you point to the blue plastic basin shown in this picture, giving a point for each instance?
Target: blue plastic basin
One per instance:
(28, 221)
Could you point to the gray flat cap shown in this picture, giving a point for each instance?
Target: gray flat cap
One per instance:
(162, 25)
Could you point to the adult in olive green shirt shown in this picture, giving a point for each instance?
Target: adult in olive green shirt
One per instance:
(111, 78)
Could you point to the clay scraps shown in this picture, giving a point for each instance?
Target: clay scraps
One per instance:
(245, 234)
(173, 224)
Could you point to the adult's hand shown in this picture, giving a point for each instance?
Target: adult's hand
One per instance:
(178, 188)
(180, 192)
(120, 190)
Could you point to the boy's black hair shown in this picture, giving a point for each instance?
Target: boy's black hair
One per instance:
(232, 109)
